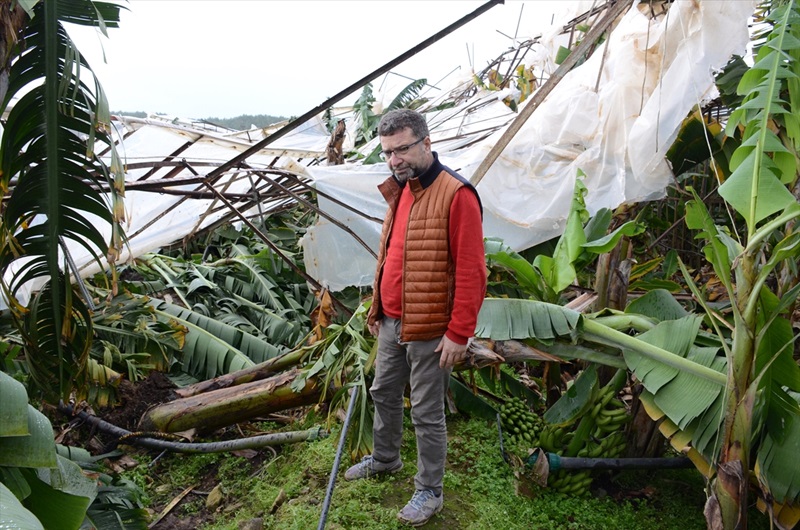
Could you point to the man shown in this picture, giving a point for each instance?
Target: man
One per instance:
(429, 286)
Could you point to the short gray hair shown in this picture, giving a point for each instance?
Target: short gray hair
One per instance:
(396, 120)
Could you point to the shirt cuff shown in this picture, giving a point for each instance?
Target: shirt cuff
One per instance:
(458, 339)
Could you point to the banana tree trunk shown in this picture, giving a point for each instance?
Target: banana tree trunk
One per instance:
(256, 391)
(227, 406)
(10, 27)
(253, 373)
(732, 481)
(644, 440)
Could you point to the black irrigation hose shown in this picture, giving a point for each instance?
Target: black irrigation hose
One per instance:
(147, 439)
(506, 459)
(557, 462)
(332, 482)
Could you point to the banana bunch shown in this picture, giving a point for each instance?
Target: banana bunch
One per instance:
(573, 483)
(610, 418)
(607, 440)
(609, 413)
(519, 422)
(553, 439)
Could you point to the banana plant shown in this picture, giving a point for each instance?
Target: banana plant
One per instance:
(762, 374)
(724, 388)
(342, 360)
(367, 120)
(582, 240)
(49, 166)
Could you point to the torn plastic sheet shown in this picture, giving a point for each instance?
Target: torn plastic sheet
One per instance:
(649, 76)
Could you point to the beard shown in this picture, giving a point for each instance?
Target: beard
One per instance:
(406, 171)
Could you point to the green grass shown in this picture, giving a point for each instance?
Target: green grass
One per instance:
(481, 491)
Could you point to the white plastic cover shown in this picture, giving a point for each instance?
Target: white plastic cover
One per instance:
(650, 76)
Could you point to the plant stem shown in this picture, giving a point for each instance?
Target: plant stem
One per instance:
(594, 330)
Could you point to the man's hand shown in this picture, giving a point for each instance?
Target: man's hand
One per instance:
(374, 328)
(452, 353)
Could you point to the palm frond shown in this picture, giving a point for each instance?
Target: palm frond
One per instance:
(406, 98)
(46, 152)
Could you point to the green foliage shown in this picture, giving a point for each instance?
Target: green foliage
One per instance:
(481, 491)
(237, 304)
(48, 152)
(582, 240)
(763, 376)
(365, 117)
(367, 121)
(763, 165)
(342, 359)
(42, 486)
(408, 98)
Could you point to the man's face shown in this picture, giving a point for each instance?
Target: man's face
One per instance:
(414, 162)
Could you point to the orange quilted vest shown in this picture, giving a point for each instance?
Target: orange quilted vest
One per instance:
(428, 275)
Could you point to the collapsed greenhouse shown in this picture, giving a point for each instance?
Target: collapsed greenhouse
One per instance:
(574, 124)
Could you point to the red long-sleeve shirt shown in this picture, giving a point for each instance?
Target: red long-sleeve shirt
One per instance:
(466, 248)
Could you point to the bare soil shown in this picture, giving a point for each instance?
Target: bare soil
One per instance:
(188, 512)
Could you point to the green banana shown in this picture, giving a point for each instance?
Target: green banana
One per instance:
(614, 412)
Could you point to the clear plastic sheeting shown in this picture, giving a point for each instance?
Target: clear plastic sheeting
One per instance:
(329, 251)
(158, 219)
(165, 152)
(613, 117)
(313, 135)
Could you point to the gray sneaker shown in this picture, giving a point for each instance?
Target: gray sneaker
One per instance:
(422, 506)
(369, 467)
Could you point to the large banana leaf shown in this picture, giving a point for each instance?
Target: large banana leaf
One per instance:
(470, 402)
(212, 347)
(61, 502)
(37, 449)
(238, 291)
(54, 491)
(14, 515)
(575, 401)
(14, 412)
(780, 447)
(762, 165)
(505, 319)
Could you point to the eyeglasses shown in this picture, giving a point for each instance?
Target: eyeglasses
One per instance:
(399, 151)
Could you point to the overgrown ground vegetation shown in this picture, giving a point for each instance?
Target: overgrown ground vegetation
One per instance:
(480, 489)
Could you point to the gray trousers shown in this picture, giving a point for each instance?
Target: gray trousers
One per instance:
(398, 364)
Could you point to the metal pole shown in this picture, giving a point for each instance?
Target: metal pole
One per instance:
(352, 88)
(332, 482)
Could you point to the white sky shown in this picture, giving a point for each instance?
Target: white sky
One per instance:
(223, 58)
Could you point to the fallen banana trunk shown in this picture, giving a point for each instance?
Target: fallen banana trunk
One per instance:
(482, 352)
(152, 441)
(247, 394)
(227, 406)
(254, 373)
